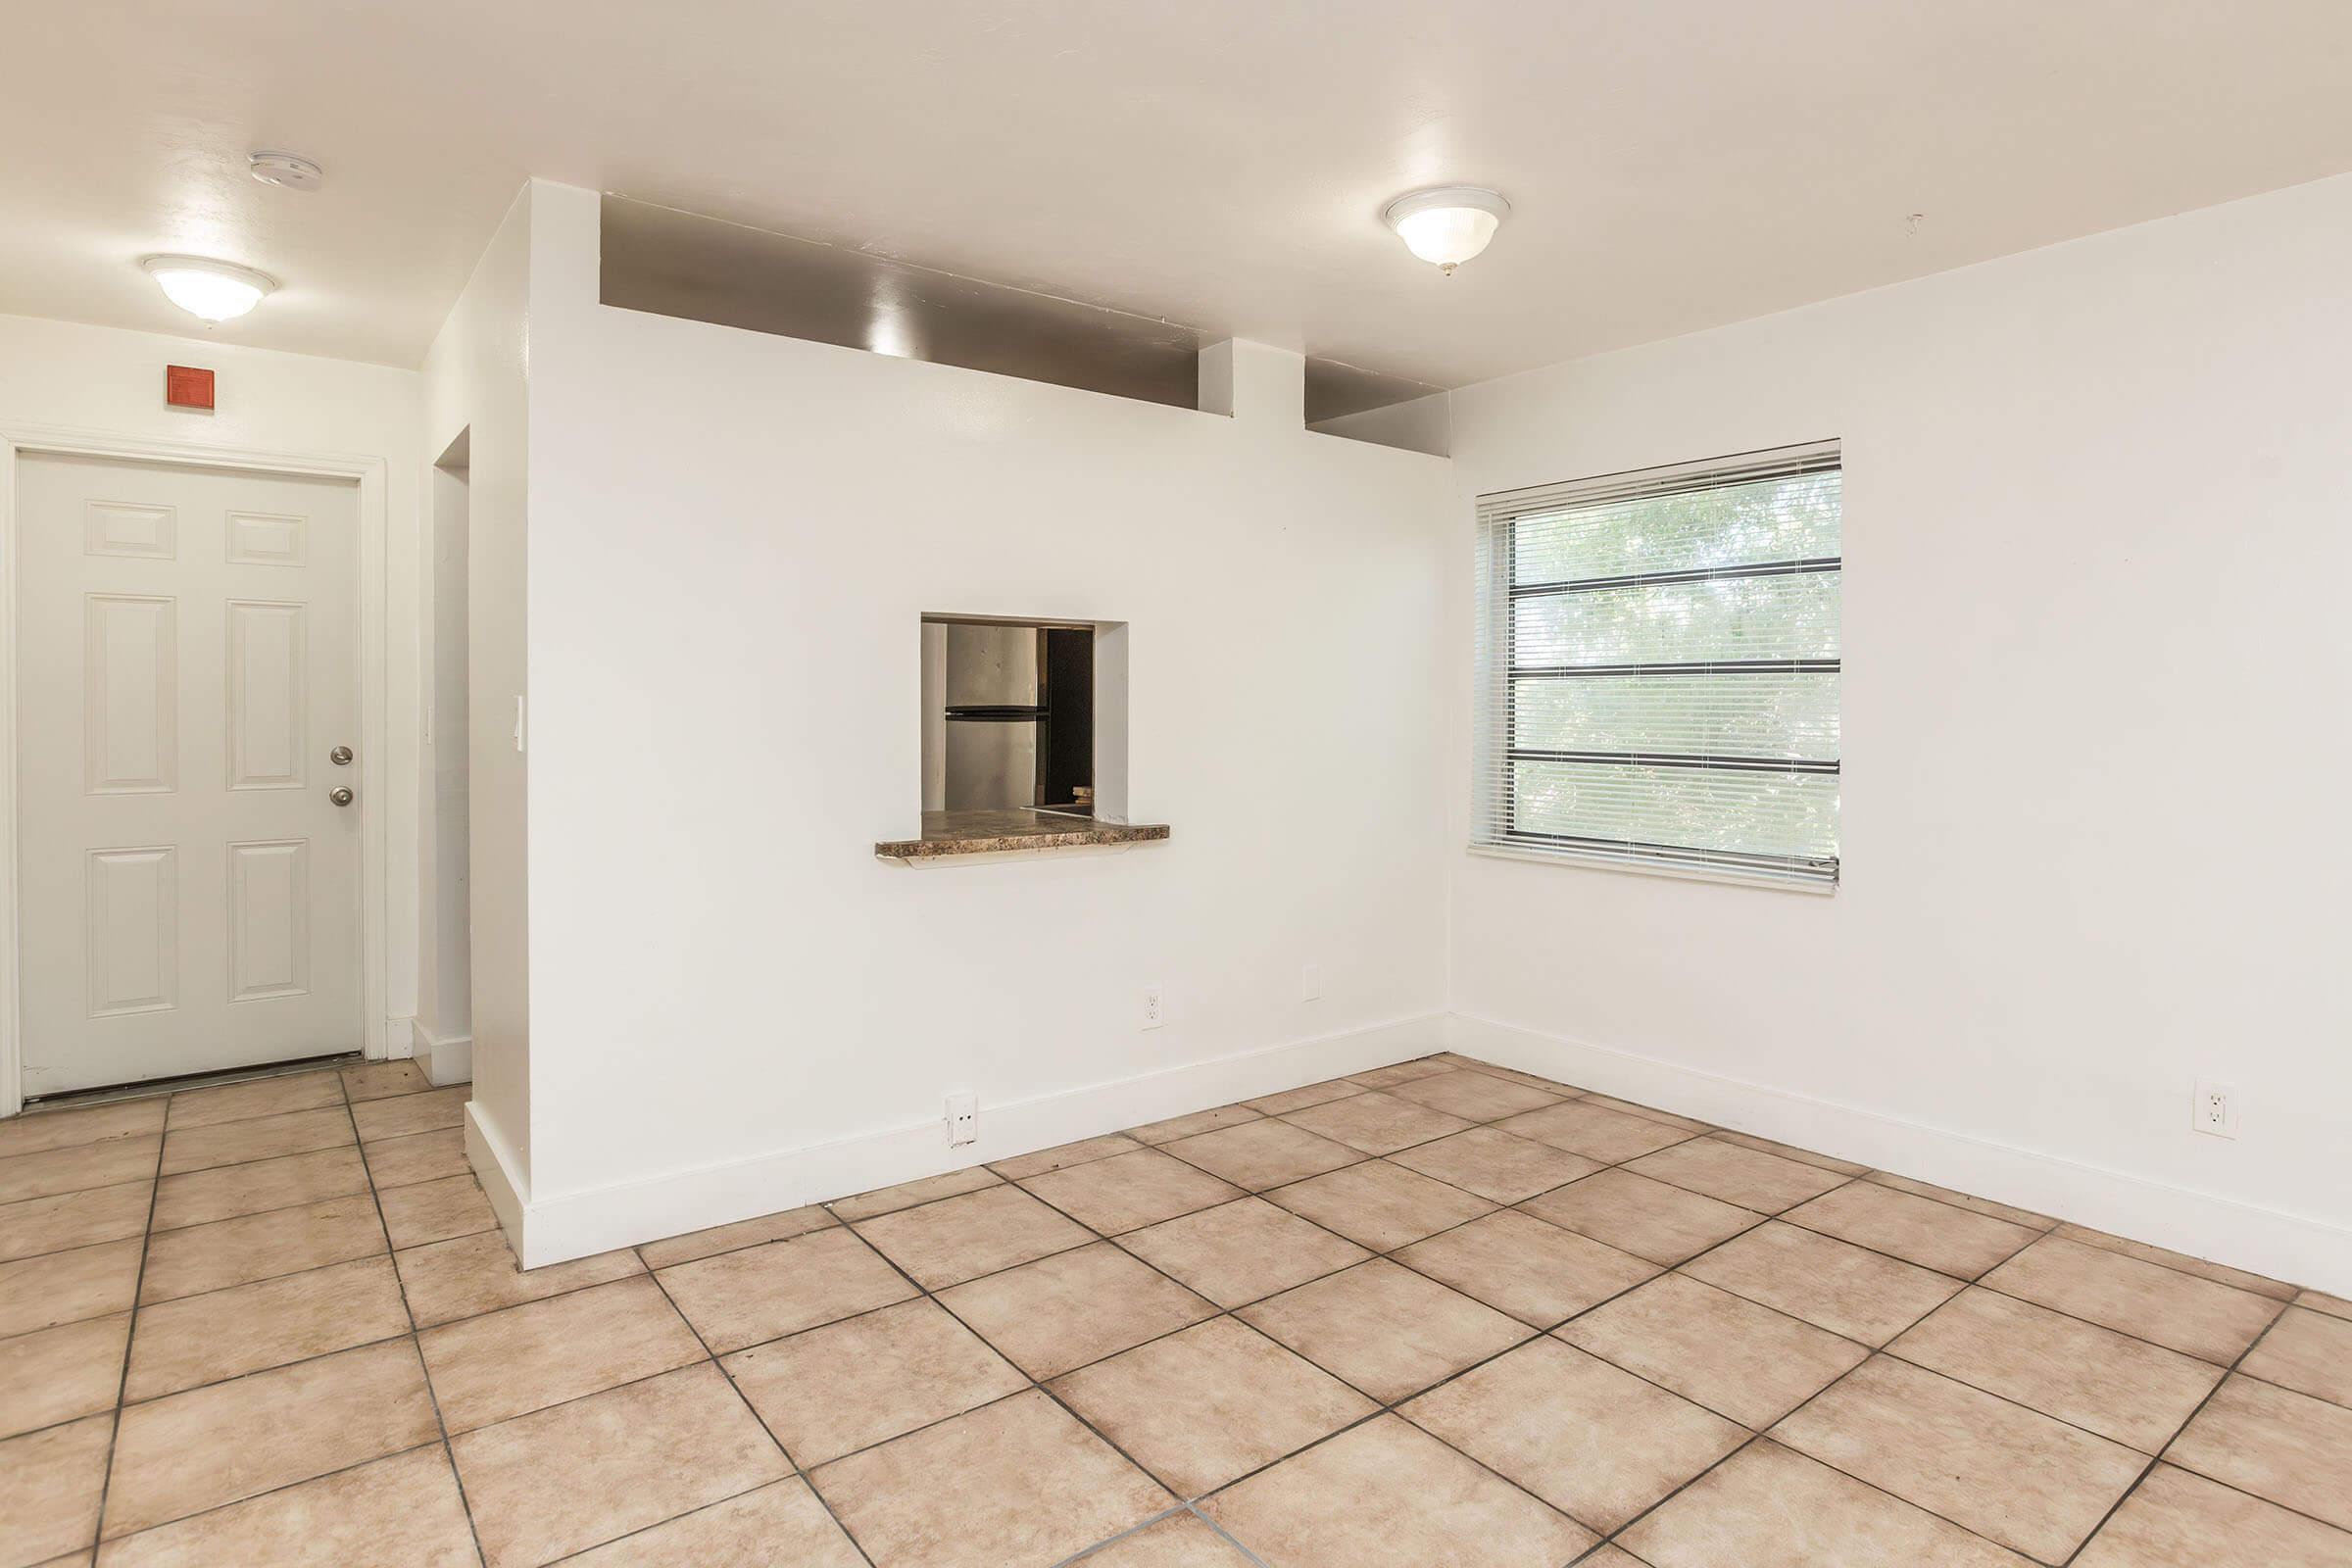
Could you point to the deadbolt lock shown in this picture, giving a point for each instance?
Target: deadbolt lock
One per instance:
(340, 796)
(340, 756)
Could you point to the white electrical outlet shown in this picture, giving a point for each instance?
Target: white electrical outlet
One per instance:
(964, 1119)
(2215, 1110)
(1152, 1012)
(1310, 983)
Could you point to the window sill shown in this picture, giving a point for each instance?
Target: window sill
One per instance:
(950, 836)
(1657, 869)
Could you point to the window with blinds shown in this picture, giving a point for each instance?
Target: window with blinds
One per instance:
(1659, 668)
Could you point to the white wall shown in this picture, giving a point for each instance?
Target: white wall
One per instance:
(732, 539)
(97, 380)
(474, 385)
(2098, 527)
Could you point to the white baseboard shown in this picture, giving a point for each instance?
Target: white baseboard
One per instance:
(2298, 1248)
(495, 1167)
(551, 1228)
(446, 1059)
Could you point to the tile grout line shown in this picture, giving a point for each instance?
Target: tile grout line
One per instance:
(131, 1333)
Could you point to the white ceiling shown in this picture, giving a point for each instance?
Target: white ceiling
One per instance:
(1675, 164)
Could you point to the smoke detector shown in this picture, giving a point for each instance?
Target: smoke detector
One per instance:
(286, 171)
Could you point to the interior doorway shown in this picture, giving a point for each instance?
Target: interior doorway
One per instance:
(189, 827)
(444, 1003)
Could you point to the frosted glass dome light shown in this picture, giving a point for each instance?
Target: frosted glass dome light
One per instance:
(214, 291)
(1447, 225)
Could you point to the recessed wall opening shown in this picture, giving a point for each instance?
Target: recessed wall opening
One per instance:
(1009, 716)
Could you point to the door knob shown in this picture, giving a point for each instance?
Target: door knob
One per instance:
(340, 796)
(340, 756)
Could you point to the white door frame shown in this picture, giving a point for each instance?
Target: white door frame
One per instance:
(17, 441)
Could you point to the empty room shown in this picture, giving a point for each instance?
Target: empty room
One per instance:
(1175, 786)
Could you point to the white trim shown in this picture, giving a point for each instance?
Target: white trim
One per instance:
(375, 706)
(1677, 870)
(590, 1220)
(447, 1060)
(2295, 1247)
(495, 1165)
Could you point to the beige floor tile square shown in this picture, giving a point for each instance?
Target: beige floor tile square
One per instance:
(2010, 1474)
(908, 1194)
(1199, 1121)
(230, 1191)
(283, 1240)
(1738, 1359)
(1828, 1283)
(197, 1340)
(1128, 1191)
(77, 1167)
(2286, 1447)
(380, 1080)
(1918, 1230)
(1180, 1540)
(1380, 1205)
(1747, 1177)
(419, 1157)
(473, 1274)
(232, 1142)
(2130, 1391)
(1375, 1123)
(2308, 1351)
(1207, 1406)
(777, 1227)
(36, 1130)
(1595, 1443)
(1649, 1219)
(1385, 1329)
(1767, 1507)
(1402, 1073)
(61, 1374)
(1074, 1308)
(1473, 1095)
(1611, 1557)
(781, 1525)
(405, 1115)
(436, 1211)
(2212, 1322)
(50, 1485)
(868, 1379)
(2218, 1273)
(758, 1293)
(1499, 1166)
(74, 1219)
(1803, 1156)
(1633, 1107)
(1595, 1130)
(1033, 1486)
(1257, 1154)
(1243, 1251)
(2321, 1301)
(1387, 1494)
(40, 1293)
(191, 1451)
(1063, 1155)
(2178, 1518)
(504, 1364)
(405, 1510)
(580, 1474)
(262, 1096)
(1974, 1204)
(963, 1237)
(1304, 1096)
(1538, 1273)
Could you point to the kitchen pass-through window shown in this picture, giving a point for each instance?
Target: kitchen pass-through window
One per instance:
(1659, 668)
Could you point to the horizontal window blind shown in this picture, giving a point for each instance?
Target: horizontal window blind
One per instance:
(1658, 668)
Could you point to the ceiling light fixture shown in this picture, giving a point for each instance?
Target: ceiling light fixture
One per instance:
(285, 169)
(1447, 225)
(213, 290)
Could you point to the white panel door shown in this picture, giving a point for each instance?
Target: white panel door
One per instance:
(187, 653)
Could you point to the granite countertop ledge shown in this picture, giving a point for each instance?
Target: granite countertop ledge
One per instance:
(948, 834)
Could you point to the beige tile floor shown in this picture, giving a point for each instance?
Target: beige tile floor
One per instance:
(1438, 1313)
